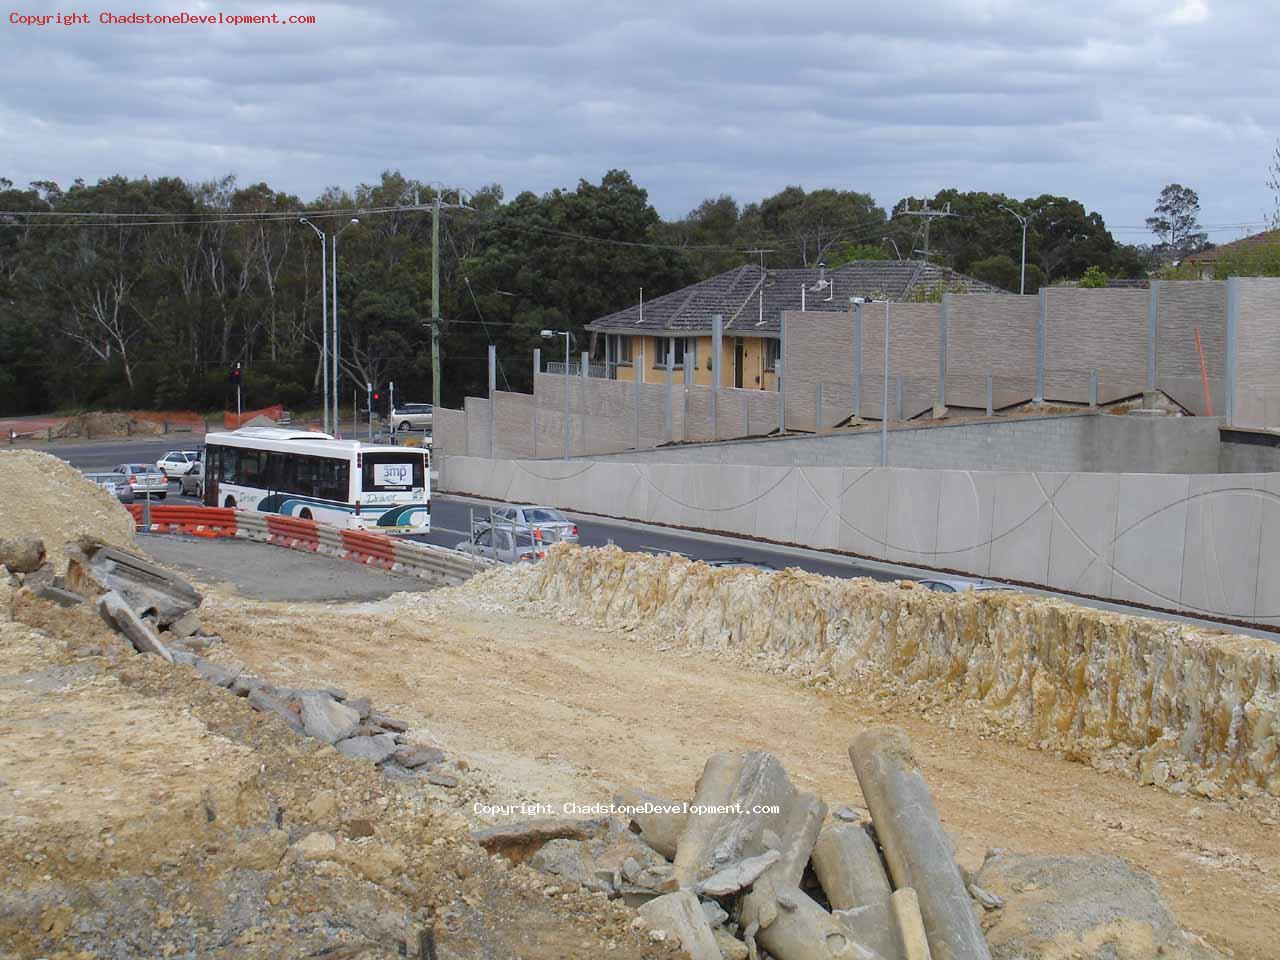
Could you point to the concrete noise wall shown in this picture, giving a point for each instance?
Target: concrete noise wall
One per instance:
(448, 432)
(991, 335)
(1162, 702)
(513, 415)
(1203, 543)
(1181, 309)
(1257, 352)
(1095, 329)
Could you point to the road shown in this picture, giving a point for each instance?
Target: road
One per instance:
(450, 524)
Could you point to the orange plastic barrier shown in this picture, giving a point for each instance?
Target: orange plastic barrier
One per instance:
(297, 534)
(194, 521)
(372, 549)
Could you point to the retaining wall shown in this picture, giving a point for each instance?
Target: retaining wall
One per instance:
(1206, 544)
(1166, 703)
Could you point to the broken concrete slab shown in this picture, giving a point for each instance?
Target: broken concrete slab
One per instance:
(519, 840)
(216, 673)
(795, 840)
(413, 757)
(388, 723)
(243, 685)
(63, 598)
(737, 877)
(360, 705)
(681, 916)
(443, 779)
(657, 820)
(266, 702)
(21, 554)
(184, 657)
(152, 591)
(715, 914)
(849, 868)
(731, 948)
(118, 615)
(790, 925)
(873, 926)
(325, 718)
(186, 625)
(916, 848)
(374, 749)
(906, 915)
(568, 859)
(712, 838)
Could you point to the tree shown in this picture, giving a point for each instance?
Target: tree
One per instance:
(1093, 277)
(1177, 220)
(1273, 184)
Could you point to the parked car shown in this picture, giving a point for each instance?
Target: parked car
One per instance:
(959, 586)
(547, 523)
(410, 416)
(111, 483)
(191, 483)
(504, 544)
(143, 479)
(177, 462)
(741, 563)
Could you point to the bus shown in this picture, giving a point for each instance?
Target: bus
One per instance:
(312, 476)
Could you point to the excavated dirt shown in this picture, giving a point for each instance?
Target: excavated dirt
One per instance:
(550, 709)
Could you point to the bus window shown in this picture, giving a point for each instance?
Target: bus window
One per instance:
(335, 480)
(393, 471)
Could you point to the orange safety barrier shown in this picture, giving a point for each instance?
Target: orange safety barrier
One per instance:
(194, 521)
(373, 549)
(234, 421)
(296, 534)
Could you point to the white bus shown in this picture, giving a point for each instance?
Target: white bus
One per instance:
(312, 476)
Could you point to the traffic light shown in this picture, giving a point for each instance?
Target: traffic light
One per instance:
(235, 375)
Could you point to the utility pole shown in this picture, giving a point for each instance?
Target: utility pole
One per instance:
(324, 318)
(435, 302)
(763, 274)
(929, 214)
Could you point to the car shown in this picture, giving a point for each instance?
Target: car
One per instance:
(111, 483)
(191, 483)
(959, 586)
(410, 416)
(144, 479)
(502, 543)
(741, 563)
(177, 462)
(547, 524)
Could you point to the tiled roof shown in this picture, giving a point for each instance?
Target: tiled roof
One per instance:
(1256, 240)
(737, 296)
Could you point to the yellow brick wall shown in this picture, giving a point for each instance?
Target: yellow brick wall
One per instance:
(754, 377)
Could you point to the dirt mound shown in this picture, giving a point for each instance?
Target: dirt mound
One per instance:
(97, 424)
(48, 498)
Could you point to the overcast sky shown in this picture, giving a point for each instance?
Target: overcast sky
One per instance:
(1101, 101)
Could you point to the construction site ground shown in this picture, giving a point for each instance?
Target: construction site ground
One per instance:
(549, 711)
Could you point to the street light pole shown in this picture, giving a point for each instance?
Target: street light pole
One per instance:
(435, 302)
(337, 346)
(1022, 283)
(324, 319)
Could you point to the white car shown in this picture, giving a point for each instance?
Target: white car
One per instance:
(411, 416)
(546, 523)
(177, 463)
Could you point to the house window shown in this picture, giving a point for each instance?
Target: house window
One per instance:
(679, 348)
(772, 351)
(620, 349)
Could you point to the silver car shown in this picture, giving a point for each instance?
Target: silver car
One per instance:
(546, 524)
(959, 586)
(191, 483)
(144, 479)
(112, 483)
(504, 544)
(411, 416)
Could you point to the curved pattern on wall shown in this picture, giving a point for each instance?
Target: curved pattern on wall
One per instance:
(1205, 544)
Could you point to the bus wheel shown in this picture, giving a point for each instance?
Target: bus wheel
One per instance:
(305, 514)
(230, 502)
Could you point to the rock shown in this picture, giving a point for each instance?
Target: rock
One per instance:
(850, 814)
(145, 586)
(243, 685)
(360, 705)
(569, 860)
(714, 913)
(268, 703)
(731, 948)
(184, 657)
(519, 840)
(442, 779)
(336, 692)
(906, 914)
(261, 852)
(315, 846)
(186, 625)
(395, 771)
(680, 915)
(388, 723)
(52, 594)
(657, 820)
(414, 757)
(988, 901)
(374, 749)
(323, 807)
(216, 673)
(326, 719)
(22, 554)
(1095, 906)
(738, 876)
(119, 616)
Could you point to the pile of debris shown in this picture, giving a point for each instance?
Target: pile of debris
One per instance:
(751, 867)
(156, 612)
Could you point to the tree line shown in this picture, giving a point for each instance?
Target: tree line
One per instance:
(143, 293)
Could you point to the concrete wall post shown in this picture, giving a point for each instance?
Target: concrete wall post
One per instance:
(857, 360)
(636, 410)
(688, 379)
(1153, 320)
(493, 388)
(1093, 389)
(915, 845)
(717, 344)
(537, 368)
(991, 409)
(897, 397)
(1233, 345)
(584, 370)
(817, 409)
(780, 372)
(1042, 332)
(942, 350)
(666, 410)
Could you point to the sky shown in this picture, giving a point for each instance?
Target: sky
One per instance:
(1105, 102)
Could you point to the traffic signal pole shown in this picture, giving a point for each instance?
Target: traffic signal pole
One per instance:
(238, 376)
(369, 390)
(435, 302)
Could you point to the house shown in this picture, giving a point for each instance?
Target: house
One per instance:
(639, 339)
(1206, 261)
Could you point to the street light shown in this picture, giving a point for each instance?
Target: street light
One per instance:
(324, 320)
(337, 344)
(895, 245)
(1022, 284)
(547, 335)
